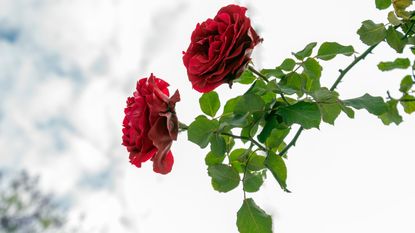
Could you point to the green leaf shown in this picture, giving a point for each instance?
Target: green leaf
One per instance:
(209, 103)
(200, 130)
(247, 77)
(253, 181)
(400, 8)
(325, 95)
(395, 41)
(278, 169)
(330, 112)
(270, 123)
(238, 158)
(401, 4)
(312, 70)
(276, 137)
(398, 63)
(306, 52)
(402, 13)
(392, 115)
(371, 33)
(268, 97)
(393, 19)
(277, 72)
(406, 84)
(271, 86)
(238, 166)
(328, 103)
(252, 219)
(212, 159)
(349, 111)
(217, 145)
(239, 154)
(293, 83)
(230, 143)
(256, 162)
(249, 131)
(288, 64)
(408, 106)
(303, 113)
(249, 103)
(224, 178)
(258, 88)
(383, 4)
(328, 50)
(230, 105)
(235, 120)
(374, 105)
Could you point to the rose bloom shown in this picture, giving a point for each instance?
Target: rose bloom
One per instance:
(220, 49)
(150, 124)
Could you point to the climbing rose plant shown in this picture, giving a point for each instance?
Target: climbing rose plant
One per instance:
(278, 105)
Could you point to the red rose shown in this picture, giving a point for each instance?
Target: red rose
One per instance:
(150, 124)
(220, 49)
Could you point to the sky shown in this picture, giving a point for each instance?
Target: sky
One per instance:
(67, 67)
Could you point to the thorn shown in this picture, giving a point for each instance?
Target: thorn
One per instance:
(389, 95)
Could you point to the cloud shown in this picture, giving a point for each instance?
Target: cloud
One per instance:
(59, 110)
(157, 37)
(9, 35)
(65, 69)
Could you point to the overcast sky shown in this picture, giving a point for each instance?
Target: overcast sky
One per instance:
(67, 67)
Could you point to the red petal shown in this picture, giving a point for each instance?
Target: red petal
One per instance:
(166, 166)
(162, 140)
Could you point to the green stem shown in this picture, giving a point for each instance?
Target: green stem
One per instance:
(299, 65)
(253, 70)
(400, 100)
(246, 168)
(406, 100)
(349, 67)
(182, 127)
(292, 142)
(409, 31)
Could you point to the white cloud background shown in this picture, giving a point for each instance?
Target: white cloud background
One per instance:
(67, 66)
